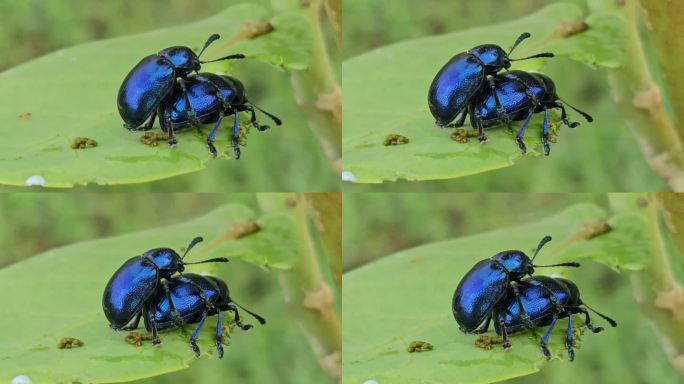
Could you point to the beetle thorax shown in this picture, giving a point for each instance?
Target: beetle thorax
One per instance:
(183, 59)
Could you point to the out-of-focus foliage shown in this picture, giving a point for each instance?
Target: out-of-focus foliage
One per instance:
(35, 222)
(380, 224)
(575, 164)
(275, 164)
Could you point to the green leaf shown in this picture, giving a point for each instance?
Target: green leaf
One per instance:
(49, 102)
(59, 294)
(407, 296)
(386, 93)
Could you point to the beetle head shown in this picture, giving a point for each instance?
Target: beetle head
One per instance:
(517, 263)
(166, 260)
(184, 60)
(492, 56)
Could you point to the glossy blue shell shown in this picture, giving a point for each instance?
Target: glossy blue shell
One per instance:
(128, 290)
(187, 300)
(455, 84)
(536, 301)
(511, 89)
(145, 86)
(478, 293)
(203, 90)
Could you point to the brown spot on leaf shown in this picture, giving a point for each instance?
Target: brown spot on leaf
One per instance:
(673, 301)
(570, 28)
(254, 29)
(649, 99)
(25, 116)
(394, 139)
(83, 142)
(136, 338)
(461, 135)
(331, 102)
(69, 342)
(240, 230)
(486, 342)
(153, 138)
(419, 346)
(320, 300)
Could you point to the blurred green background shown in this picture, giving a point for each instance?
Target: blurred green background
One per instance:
(286, 158)
(275, 353)
(611, 159)
(377, 225)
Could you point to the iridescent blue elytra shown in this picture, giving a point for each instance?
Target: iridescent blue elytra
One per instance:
(195, 298)
(488, 282)
(153, 79)
(516, 96)
(464, 76)
(211, 97)
(129, 290)
(544, 300)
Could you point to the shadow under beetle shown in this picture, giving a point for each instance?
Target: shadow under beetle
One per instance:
(519, 94)
(545, 300)
(464, 76)
(196, 298)
(153, 79)
(128, 292)
(489, 282)
(211, 97)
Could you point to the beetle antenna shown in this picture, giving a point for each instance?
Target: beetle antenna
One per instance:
(260, 319)
(543, 242)
(584, 114)
(194, 242)
(210, 40)
(544, 54)
(215, 260)
(273, 117)
(570, 264)
(522, 37)
(606, 318)
(229, 57)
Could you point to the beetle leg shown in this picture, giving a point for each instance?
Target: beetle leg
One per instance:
(545, 339)
(219, 335)
(150, 123)
(238, 322)
(485, 327)
(253, 119)
(523, 312)
(167, 127)
(190, 112)
(460, 121)
(568, 338)
(136, 321)
(480, 129)
(236, 136)
(212, 135)
(521, 132)
(501, 112)
(564, 116)
(153, 325)
(174, 313)
(587, 320)
(504, 335)
(195, 335)
(545, 133)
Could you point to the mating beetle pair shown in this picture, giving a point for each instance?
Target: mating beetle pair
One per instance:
(161, 85)
(145, 287)
(495, 289)
(470, 83)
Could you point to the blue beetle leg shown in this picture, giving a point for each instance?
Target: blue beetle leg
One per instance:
(236, 136)
(167, 127)
(484, 327)
(195, 335)
(545, 133)
(545, 339)
(219, 335)
(504, 334)
(238, 322)
(521, 133)
(568, 338)
(500, 111)
(136, 321)
(523, 312)
(212, 135)
(480, 129)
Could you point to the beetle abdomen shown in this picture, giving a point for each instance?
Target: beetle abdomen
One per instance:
(144, 88)
(127, 290)
(477, 293)
(454, 85)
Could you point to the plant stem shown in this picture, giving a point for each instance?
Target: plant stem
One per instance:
(306, 292)
(317, 92)
(639, 98)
